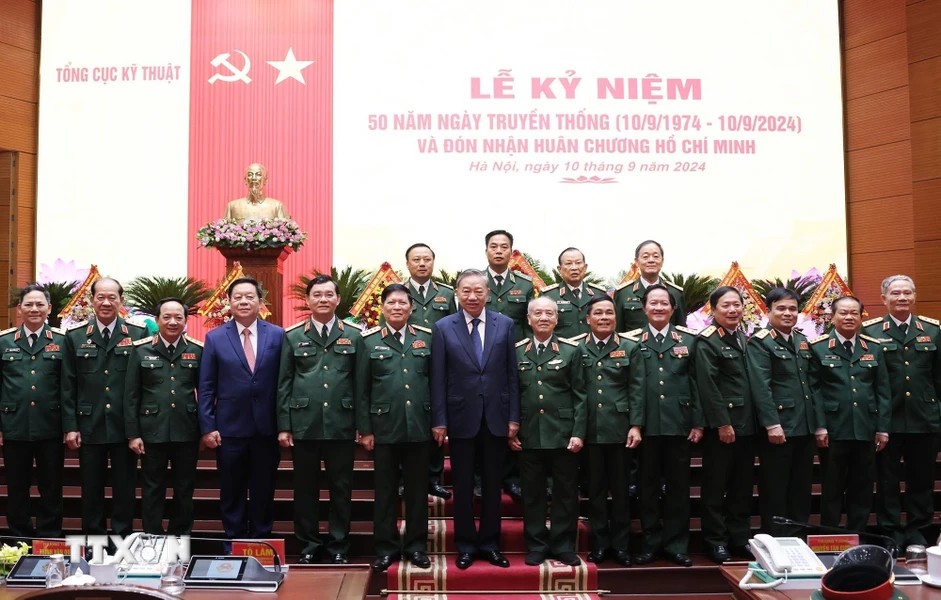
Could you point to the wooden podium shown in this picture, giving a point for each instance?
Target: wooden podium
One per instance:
(267, 266)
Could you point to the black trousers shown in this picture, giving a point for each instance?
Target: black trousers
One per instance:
(94, 469)
(18, 459)
(536, 467)
(785, 476)
(665, 522)
(608, 465)
(490, 451)
(337, 457)
(848, 474)
(181, 459)
(413, 456)
(247, 470)
(728, 472)
(918, 451)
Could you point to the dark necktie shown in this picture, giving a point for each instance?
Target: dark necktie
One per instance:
(32, 339)
(421, 292)
(600, 346)
(106, 335)
(170, 349)
(849, 347)
(903, 327)
(499, 281)
(477, 342)
(398, 336)
(577, 292)
(323, 334)
(540, 349)
(659, 338)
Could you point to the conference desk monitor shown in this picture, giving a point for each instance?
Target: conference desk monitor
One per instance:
(30, 570)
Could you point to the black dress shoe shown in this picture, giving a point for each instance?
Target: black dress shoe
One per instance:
(382, 564)
(495, 558)
(741, 552)
(645, 558)
(513, 489)
(597, 556)
(436, 489)
(464, 560)
(307, 559)
(339, 559)
(568, 558)
(535, 558)
(679, 558)
(623, 558)
(719, 554)
(419, 559)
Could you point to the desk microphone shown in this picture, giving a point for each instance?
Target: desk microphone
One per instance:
(888, 543)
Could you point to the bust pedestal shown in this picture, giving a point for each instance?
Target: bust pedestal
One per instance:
(267, 266)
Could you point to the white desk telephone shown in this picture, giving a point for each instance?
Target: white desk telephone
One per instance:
(782, 557)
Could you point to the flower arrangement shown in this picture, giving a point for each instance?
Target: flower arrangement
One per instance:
(252, 234)
(372, 309)
(9, 555)
(218, 314)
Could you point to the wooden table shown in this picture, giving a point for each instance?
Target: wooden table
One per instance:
(300, 583)
(734, 573)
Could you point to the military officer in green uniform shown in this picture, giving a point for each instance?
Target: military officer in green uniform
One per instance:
(552, 432)
(673, 421)
(779, 373)
(31, 416)
(93, 376)
(430, 301)
(572, 295)
(628, 296)
(614, 377)
(510, 291)
(911, 345)
(316, 418)
(853, 402)
(393, 416)
(728, 455)
(161, 421)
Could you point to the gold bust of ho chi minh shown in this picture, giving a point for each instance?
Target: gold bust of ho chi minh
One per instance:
(255, 205)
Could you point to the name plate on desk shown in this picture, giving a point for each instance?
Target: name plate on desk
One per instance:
(262, 550)
(46, 547)
(832, 543)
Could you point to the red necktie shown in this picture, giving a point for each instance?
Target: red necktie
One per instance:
(249, 352)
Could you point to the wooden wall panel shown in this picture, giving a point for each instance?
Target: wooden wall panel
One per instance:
(870, 268)
(924, 37)
(20, 24)
(24, 253)
(928, 271)
(875, 67)
(18, 123)
(926, 203)
(867, 21)
(925, 84)
(880, 118)
(879, 172)
(884, 224)
(926, 161)
(20, 77)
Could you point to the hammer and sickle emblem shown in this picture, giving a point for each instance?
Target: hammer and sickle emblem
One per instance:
(235, 74)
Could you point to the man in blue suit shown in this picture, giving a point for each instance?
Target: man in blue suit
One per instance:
(476, 404)
(238, 385)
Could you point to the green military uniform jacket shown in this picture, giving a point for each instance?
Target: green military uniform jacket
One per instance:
(572, 310)
(437, 303)
(614, 382)
(512, 299)
(913, 359)
(722, 377)
(393, 385)
(160, 392)
(316, 382)
(779, 375)
(671, 398)
(629, 305)
(30, 396)
(853, 397)
(93, 380)
(552, 391)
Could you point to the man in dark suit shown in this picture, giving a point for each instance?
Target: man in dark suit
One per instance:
(316, 419)
(475, 398)
(31, 416)
(237, 389)
(161, 422)
(94, 367)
